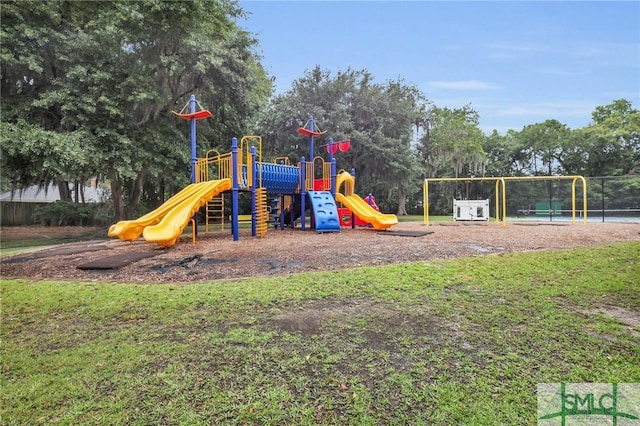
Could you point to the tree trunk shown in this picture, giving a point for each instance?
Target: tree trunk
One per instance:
(402, 201)
(81, 191)
(116, 195)
(135, 194)
(63, 190)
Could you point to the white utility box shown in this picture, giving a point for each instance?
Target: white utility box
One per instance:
(471, 210)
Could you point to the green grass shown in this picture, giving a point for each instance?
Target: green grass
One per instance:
(420, 218)
(12, 246)
(446, 342)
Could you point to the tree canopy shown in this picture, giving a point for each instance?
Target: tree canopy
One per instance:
(88, 89)
(377, 118)
(112, 72)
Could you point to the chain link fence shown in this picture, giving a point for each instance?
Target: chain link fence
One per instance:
(609, 198)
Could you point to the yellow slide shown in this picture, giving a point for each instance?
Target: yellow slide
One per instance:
(365, 212)
(130, 230)
(360, 207)
(167, 231)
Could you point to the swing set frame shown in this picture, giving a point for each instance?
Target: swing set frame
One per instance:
(501, 193)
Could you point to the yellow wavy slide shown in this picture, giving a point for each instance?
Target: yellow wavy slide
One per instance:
(367, 213)
(129, 230)
(360, 207)
(167, 231)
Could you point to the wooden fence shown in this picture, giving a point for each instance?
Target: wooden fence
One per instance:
(16, 213)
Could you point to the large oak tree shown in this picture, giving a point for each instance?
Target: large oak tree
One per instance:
(112, 72)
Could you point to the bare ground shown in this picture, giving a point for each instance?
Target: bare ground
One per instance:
(216, 256)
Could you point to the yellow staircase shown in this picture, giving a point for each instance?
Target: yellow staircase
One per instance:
(262, 212)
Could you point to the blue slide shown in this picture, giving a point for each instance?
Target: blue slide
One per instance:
(325, 211)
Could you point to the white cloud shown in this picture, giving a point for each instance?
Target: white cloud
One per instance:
(463, 85)
(625, 54)
(575, 114)
(556, 110)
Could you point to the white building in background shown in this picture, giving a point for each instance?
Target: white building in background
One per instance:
(51, 194)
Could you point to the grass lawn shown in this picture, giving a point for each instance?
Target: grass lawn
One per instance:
(447, 342)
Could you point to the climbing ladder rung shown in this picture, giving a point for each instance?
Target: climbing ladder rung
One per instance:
(262, 212)
(215, 213)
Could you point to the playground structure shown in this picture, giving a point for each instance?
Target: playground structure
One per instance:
(501, 196)
(292, 189)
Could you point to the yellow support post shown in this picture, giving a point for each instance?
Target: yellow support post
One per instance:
(501, 182)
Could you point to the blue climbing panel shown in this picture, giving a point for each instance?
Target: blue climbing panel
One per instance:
(325, 211)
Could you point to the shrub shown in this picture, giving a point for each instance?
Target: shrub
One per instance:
(64, 213)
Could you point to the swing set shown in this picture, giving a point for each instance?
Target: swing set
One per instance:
(501, 193)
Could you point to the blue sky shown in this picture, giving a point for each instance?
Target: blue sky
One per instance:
(516, 63)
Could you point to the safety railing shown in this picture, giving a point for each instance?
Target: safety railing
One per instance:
(214, 166)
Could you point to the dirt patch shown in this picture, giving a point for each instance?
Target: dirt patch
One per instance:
(314, 317)
(217, 256)
(631, 319)
(115, 262)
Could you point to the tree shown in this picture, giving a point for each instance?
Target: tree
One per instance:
(453, 139)
(506, 155)
(114, 71)
(377, 118)
(33, 156)
(545, 141)
(614, 135)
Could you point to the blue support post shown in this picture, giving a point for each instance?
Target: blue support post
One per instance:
(194, 154)
(234, 188)
(330, 149)
(332, 185)
(192, 122)
(312, 128)
(303, 191)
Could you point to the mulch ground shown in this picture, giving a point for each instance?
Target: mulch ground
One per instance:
(216, 256)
